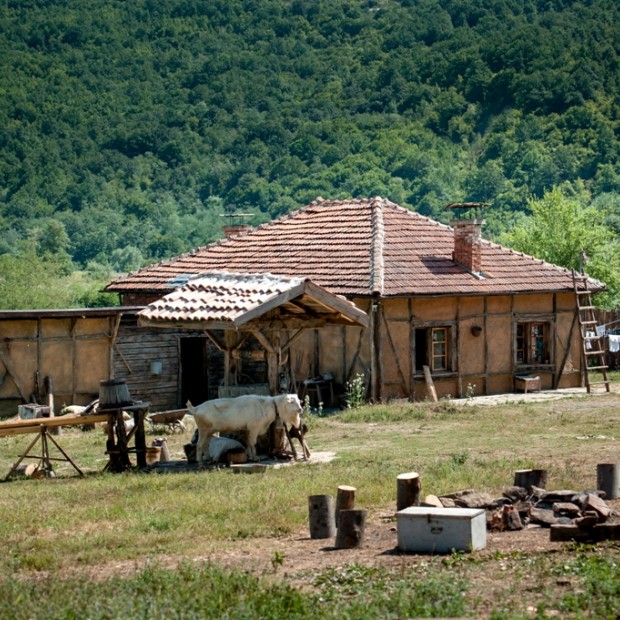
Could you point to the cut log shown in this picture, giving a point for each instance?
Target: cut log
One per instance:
(543, 517)
(608, 479)
(345, 499)
(565, 509)
(531, 477)
(603, 531)
(587, 521)
(351, 526)
(565, 533)
(607, 531)
(26, 469)
(321, 516)
(511, 519)
(447, 502)
(514, 494)
(458, 493)
(408, 488)
(474, 500)
(561, 495)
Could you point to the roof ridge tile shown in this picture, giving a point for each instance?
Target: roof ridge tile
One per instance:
(377, 265)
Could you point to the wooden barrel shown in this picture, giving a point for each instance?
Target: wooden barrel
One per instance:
(114, 393)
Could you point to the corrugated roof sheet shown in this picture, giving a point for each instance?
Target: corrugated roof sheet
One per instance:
(358, 248)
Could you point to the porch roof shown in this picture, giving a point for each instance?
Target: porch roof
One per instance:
(224, 300)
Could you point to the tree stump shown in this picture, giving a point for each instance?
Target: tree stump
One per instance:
(408, 488)
(608, 479)
(351, 525)
(345, 499)
(527, 478)
(321, 516)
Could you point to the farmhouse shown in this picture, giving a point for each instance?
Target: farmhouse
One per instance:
(472, 313)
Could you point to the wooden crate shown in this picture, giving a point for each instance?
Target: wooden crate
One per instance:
(527, 383)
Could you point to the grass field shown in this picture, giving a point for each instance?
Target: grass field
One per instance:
(217, 545)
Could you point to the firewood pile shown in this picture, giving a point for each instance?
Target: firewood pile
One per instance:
(582, 516)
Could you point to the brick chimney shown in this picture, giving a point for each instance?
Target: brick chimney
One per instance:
(235, 229)
(467, 246)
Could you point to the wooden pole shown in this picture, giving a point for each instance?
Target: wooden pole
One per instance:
(351, 526)
(321, 515)
(408, 487)
(429, 383)
(608, 479)
(527, 478)
(49, 384)
(345, 499)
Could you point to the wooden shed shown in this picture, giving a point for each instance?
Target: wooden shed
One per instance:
(63, 352)
(274, 311)
(476, 314)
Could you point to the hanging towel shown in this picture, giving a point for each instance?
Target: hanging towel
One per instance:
(600, 330)
(589, 336)
(614, 343)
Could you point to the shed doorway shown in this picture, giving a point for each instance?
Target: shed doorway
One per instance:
(194, 370)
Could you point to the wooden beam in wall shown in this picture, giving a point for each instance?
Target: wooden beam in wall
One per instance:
(560, 368)
(5, 358)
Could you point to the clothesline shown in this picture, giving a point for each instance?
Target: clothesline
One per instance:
(610, 323)
(614, 339)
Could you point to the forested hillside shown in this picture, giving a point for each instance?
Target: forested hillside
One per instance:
(127, 127)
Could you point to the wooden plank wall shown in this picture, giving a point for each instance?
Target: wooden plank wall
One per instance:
(134, 350)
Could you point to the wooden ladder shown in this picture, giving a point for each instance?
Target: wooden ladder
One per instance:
(592, 343)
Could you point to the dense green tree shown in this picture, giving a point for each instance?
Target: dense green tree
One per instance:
(562, 231)
(120, 121)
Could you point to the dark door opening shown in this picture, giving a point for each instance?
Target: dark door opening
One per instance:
(194, 370)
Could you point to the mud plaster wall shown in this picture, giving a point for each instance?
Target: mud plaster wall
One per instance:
(484, 362)
(395, 348)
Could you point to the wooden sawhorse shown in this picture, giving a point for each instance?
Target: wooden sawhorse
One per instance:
(41, 427)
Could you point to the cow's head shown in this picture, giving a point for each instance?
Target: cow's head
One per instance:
(290, 409)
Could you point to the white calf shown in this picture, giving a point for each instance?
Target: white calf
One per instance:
(250, 413)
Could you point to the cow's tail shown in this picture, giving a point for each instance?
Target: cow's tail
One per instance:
(190, 408)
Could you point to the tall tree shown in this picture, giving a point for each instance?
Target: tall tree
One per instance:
(563, 231)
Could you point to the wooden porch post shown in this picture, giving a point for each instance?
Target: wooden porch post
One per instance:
(376, 353)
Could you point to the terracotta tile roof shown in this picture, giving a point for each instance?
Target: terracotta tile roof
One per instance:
(358, 248)
(236, 299)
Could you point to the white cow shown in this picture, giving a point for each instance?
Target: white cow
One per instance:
(250, 413)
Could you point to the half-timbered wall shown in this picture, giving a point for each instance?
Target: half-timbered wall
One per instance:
(480, 353)
(70, 354)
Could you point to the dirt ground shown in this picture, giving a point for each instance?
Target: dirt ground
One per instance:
(302, 555)
(524, 557)
(495, 570)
